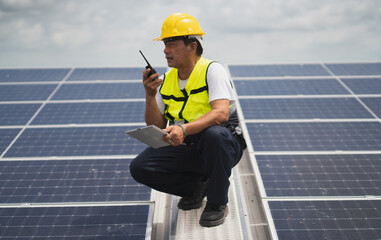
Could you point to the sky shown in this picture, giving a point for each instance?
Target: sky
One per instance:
(93, 33)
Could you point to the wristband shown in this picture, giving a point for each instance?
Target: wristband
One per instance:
(183, 128)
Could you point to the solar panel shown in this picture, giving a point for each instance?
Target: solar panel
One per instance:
(106, 112)
(315, 136)
(352, 220)
(277, 70)
(27, 92)
(90, 222)
(100, 91)
(303, 108)
(33, 75)
(89, 180)
(374, 104)
(72, 141)
(6, 137)
(85, 74)
(314, 130)
(364, 85)
(319, 155)
(321, 175)
(289, 87)
(17, 114)
(349, 69)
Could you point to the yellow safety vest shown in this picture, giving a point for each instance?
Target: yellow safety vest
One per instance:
(190, 103)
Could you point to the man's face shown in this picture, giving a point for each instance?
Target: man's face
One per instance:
(176, 53)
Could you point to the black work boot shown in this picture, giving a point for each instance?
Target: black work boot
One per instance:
(213, 215)
(194, 201)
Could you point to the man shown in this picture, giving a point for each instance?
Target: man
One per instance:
(197, 100)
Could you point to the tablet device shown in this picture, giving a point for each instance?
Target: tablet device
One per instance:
(150, 135)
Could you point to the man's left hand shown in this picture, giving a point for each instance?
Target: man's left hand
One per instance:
(175, 135)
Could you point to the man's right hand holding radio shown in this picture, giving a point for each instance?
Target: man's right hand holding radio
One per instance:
(151, 83)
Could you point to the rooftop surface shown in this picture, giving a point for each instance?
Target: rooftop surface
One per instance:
(312, 169)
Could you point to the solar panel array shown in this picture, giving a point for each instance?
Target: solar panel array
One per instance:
(64, 165)
(316, 146)
(64, 156)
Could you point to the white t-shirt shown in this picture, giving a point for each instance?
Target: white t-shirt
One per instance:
(219, 86)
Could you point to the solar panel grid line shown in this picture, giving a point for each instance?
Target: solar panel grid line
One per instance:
(303, 77)
(20, 102)
(36, 113)
(58, 158)
(299, 96)
(12, 127)
(102, 81)
(319, 198)
(350, 90)
(98, 100)
(335, 152)
(84, 125)
(29, 83)
(76, 204)
(326, 120)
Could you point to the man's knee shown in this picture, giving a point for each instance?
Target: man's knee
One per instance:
(215, 133)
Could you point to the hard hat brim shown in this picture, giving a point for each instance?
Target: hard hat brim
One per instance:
(161, 38)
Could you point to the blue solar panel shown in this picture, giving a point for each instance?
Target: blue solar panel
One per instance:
(111, 112)
(26, 92)
(374, 104)
(364, 85)
(82, 141)
(277, 70)
(84, 74)
(100, 91)
(310, 136)
(289, 87)
(303, 108)
(33, 75)
(17, 114)
(69, 181)
(98, 222)
(6, 137)
(347, 69)
(320, 175)
(349, 220)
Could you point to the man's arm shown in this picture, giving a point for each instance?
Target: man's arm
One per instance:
(217, 116)
(152, 113)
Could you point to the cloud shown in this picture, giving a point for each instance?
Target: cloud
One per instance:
(95, 32)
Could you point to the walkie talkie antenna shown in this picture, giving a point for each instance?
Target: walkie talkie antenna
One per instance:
(148, 66)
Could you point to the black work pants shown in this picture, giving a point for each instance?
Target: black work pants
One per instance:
(178, 170)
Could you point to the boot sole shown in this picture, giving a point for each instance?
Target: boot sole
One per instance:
(215, 223)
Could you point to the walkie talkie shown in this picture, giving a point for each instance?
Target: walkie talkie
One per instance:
(148, 66)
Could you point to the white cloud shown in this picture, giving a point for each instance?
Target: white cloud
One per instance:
(95, 32)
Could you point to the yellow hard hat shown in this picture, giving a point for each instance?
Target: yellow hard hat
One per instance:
(180, 24)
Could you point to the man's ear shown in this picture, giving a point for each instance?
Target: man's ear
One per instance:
(194, 46)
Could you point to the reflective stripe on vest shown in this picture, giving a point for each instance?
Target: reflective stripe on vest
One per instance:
(190, 103)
